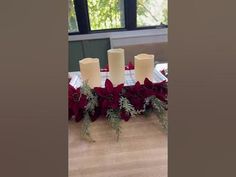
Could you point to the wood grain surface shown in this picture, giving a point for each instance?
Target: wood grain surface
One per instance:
(140, 152)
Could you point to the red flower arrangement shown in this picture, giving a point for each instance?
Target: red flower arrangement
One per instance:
(117, 103)
(157, 89)
(77, 103)
(109, 99)
(138, 93)
(109, 96)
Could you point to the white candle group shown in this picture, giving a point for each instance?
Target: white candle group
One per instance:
(90, 68)
(116, 63)
(90, 71)
(144, 66)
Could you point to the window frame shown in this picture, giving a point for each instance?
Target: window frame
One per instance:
(130, 10)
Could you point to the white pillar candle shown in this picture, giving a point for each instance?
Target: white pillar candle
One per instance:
(116, 63)
(90, 71)
(144, 66)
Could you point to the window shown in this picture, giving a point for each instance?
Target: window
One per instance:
(106, 14)
(88, 16)
(72, 21)
(151, 12)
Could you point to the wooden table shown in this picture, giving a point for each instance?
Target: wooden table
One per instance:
(140, 152)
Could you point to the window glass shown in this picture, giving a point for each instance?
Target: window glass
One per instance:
(106, 14)
(152, 12)
(72, 21)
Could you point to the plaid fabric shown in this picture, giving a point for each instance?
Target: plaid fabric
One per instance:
(76, 80)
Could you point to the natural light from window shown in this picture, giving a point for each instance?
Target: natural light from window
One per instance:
(110, 14)
(72, 21)
(151, 12)
(106, 14)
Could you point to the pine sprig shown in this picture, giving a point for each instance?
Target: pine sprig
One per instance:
(114, 120)
(158, 105)
(127, 106)
(92, 99)
(163, 121)
(159, 108)
(86, 90)
(90, 107)
(85, 127)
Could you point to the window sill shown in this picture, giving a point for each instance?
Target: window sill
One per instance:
(127, 37)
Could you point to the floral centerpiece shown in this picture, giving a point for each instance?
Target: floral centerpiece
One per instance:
(117, 103)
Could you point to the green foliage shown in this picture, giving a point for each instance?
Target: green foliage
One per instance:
(152, 12)
(92, 103)
(159, 108)
(165, 15)
(127, 106)
(114, 120)
(164, 121)
(85, 127)
(91, 97)
(72, 23)
(106, 14)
